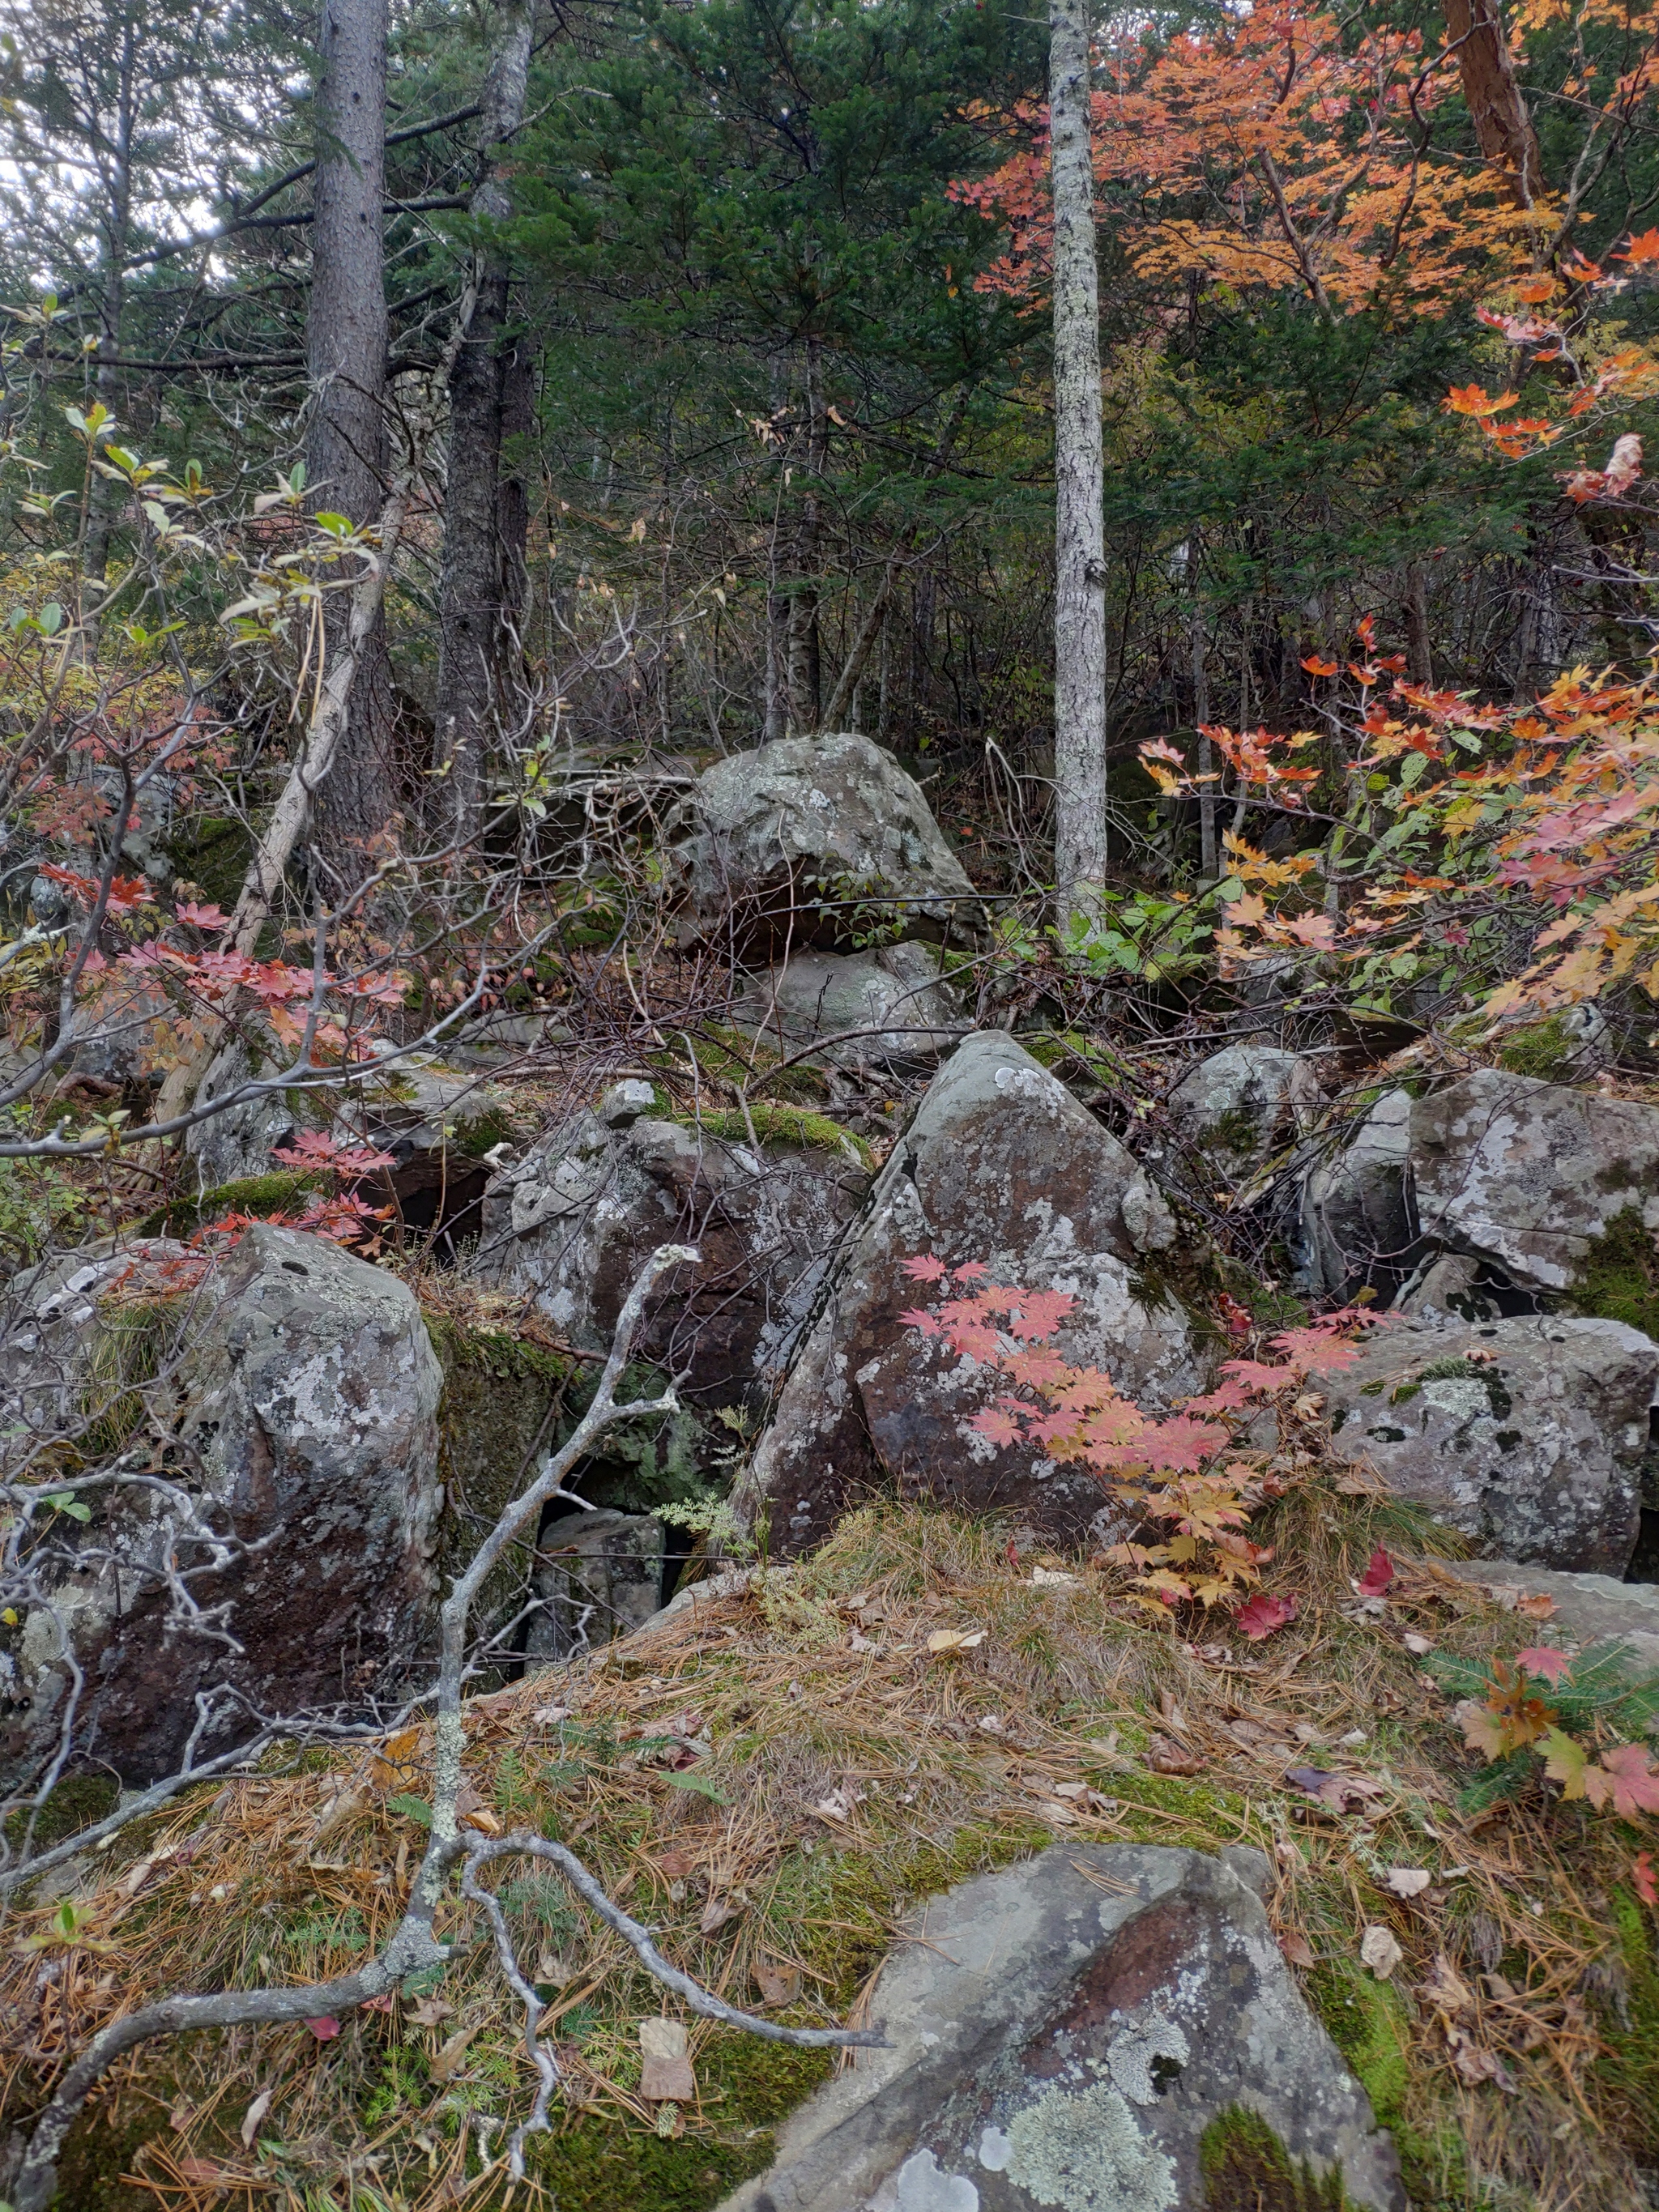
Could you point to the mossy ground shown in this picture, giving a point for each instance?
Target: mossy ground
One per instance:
(821, 1681)
(258, 1196)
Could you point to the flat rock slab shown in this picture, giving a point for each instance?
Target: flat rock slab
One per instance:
(1588, 1609)
(1527, 1434)
(1067, 2033)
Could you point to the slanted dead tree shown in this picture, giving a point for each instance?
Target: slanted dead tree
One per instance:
(455, 1856)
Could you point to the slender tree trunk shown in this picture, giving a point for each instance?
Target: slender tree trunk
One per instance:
(1492, 93)
(481, 581)
(1419, 650)
(346, 446)
(118, 245)
(805, 675)
(1079, 488)
(1199, 647)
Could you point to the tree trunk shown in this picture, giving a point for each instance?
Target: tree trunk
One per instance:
(1199, 647)
(103, 498)
(480, 588)
(1079, 488)
(1492, 93)
(805, 674)
(346, 443)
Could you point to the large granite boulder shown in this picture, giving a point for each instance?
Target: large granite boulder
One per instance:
(809, 842)
(1103, 2028)
(285, 1401)
(1245, 1102)
(1527, 1433)
(1001, 1165)
(890, 1008)
(1525, 1176)
(1359, 1226)
(575, 1221)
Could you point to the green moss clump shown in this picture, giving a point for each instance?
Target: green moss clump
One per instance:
(1547, 1049)
(1630, 2059)
(76, 1801)
(1367, 2022)
(1247, 2169)
(1619, 1278)
(784, 1125)
(259, 1195)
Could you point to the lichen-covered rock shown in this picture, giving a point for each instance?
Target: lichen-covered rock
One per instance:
(1526, 1175)
(235, 1145)
(1093, 2031)
(889, 1008)
(291, 1394)
(598, 1576)
(576, 1219)
(776, 849)
(1000, 1165)
(1588, 1608)
(1527, 1433)
(1246, 1102)
(436, 1123)
(1358, 1209)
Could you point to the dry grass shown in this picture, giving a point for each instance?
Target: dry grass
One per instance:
(853, 1768)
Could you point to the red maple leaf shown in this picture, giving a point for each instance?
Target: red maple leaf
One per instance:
(1264, 1615)
(1642, 1874)
(1625, 1778)
(1378, 1575)
(925, 1269)
(1544, 1659)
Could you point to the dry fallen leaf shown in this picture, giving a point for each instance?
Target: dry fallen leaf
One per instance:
(1296, 1947)
(675, 1865)
(778, 1985)
(717, 1913)
(1445, 1989)
(1408, 1882)
(428, 2012)
(1536, 1606)
(1165, 1756)
(1379, 1951)
(451, 2054)
(954, 1639)
(255, 2112)
(666, 2077)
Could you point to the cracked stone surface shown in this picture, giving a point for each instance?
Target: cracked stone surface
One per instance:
(1062, 2034)
(575, 1220)
(1001, 1165)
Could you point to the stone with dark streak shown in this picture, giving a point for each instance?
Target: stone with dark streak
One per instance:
(1090, 2031)
(1002, 1165)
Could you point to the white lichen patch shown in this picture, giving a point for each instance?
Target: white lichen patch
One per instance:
(1085, 2154)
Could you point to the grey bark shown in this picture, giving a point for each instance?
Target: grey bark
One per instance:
(1201, 661)
(346, 443)
(480, 590)
(805, 676)
(1079, 487)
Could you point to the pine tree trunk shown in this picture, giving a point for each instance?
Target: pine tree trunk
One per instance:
(1079, 489)
(346, 443)
(481, 589)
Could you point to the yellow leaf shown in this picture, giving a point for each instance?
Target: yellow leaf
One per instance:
(954, 1639)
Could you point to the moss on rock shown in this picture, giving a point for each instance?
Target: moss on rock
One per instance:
(1619, 1278)
(1247, 2169)
(258, 1195)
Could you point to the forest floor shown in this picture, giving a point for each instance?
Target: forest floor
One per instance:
(769, 1777)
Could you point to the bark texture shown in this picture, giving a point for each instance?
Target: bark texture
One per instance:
(481, 595)
(1492, 93)
(1079, 530)
(346, 445)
